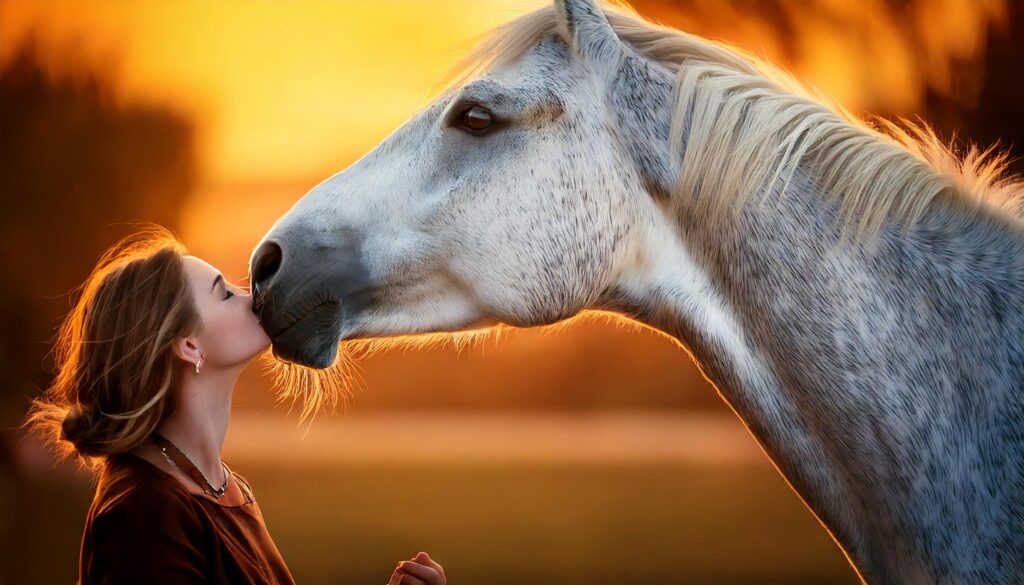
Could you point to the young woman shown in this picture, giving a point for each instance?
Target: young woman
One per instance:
(147, 363)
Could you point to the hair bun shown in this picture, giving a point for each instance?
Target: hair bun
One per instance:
(76, 424)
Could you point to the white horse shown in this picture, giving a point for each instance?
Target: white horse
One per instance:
(587, 159)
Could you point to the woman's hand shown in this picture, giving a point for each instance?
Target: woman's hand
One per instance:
(421, 570)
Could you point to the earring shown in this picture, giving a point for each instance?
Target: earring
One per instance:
(199, 363)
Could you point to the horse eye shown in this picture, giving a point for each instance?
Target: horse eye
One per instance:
(477, 119)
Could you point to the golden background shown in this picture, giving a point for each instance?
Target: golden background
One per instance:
(593, 454)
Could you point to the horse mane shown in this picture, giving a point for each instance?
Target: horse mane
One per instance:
(748, 125)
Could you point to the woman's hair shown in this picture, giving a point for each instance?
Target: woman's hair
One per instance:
(116, 373)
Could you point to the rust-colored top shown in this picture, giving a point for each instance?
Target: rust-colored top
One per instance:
(145, 527)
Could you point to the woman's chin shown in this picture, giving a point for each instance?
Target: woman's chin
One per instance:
(259, 351)
(266, 344)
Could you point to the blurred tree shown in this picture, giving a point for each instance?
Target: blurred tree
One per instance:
(955, 64)
(990, 111)
(75, 166)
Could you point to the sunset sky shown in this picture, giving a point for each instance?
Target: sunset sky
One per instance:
(278, 93)
(283, 98)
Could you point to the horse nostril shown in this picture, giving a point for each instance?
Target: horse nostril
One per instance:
(265, 264)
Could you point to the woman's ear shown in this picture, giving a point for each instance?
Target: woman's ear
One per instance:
(186, 349)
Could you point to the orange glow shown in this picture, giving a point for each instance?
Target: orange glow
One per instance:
(284, 96)
(278, 92)
(869, 55)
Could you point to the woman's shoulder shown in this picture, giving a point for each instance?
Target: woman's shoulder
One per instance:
(141, 528)
(244, 485)
(131, 486)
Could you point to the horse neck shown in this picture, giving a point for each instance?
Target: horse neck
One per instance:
(845, 361)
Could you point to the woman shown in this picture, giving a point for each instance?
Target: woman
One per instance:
(147, 363)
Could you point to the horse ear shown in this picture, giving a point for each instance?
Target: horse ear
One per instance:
(587, 29)
(643, 116)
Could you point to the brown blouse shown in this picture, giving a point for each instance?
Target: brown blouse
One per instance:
(145, 527)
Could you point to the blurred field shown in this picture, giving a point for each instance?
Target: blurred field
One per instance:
(621, 499)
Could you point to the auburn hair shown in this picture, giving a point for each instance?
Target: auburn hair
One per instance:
(116, 373)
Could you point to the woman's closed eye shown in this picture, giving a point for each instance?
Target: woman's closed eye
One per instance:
(229, 294)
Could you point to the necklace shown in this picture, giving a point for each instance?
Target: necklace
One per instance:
(179, 459)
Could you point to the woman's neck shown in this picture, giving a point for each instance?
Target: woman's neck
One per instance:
(200, 419)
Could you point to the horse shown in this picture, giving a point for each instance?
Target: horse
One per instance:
(854, 290)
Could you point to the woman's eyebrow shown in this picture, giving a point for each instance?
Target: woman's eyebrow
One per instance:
(218, 277)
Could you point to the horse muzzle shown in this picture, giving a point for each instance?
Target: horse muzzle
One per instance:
(303, 293)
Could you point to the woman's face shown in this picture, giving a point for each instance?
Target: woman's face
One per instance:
(231, 334)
